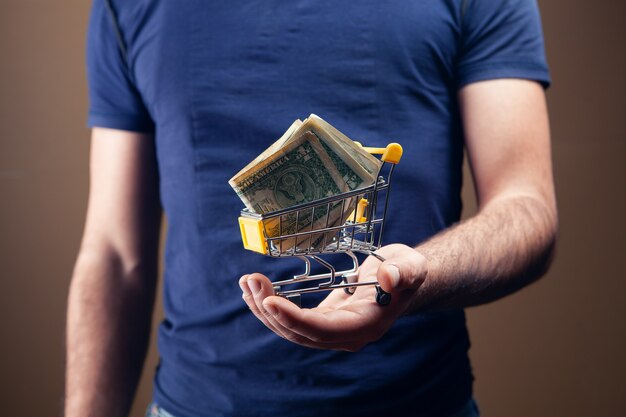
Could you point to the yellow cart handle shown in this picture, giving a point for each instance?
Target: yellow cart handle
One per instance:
(252, 234)
(392, 153)
(357, 215)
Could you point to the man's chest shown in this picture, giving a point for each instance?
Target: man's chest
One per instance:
(291, 57)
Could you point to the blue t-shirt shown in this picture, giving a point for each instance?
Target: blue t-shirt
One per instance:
(218, 82)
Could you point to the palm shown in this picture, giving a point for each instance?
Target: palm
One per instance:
(340, 321)
(362, 306)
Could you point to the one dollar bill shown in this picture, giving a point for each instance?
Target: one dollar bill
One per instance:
(312, 160)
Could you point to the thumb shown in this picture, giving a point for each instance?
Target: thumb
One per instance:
(401, 272)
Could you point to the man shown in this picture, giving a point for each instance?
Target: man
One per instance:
(183, 94)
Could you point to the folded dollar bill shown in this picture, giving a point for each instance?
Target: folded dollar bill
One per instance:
(312, 160)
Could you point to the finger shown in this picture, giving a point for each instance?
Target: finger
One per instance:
(248, 297)
(404, 271)
(335, 326)
(346, 345)
(335, 299)
(256, 287)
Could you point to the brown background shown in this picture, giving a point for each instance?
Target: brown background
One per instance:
(554, 349)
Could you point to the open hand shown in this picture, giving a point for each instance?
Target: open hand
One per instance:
(342, 321)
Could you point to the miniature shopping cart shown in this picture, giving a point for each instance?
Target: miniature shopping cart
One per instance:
(310, 230)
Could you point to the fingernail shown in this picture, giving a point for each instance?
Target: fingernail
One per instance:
(244, 290)
(243, 286)
(394, 274)
(271, 309)
(254, 285)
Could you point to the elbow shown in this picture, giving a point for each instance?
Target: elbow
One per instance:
(95, 265)
(552, 237)
(543, 259)
(546, 259)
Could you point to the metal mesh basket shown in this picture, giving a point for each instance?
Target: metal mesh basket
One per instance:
(347, 223)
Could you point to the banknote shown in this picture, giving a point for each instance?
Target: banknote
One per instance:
(370, 163)
(253, 165)
(309, 162)
(298, 172)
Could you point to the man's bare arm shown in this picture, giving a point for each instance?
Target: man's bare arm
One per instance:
(112, 291)
(510, 242)
(506, 245)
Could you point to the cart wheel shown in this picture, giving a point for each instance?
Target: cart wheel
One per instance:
(348, 290)
(383, 298)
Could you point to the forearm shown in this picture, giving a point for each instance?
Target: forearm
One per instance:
(108, 327)
(507, 245)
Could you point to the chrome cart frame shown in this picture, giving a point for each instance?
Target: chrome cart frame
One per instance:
(308, 231)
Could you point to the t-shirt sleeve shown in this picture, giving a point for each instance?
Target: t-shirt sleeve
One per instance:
(501, 39)
(114, 101)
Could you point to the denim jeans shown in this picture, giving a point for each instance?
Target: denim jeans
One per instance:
(469, 410)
